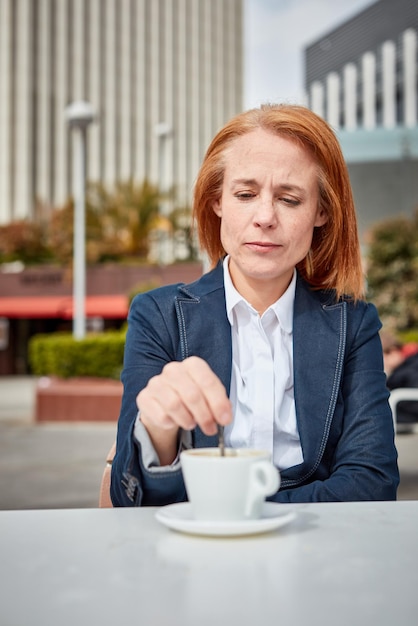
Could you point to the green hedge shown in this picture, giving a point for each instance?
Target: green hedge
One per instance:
(61, 355)
(409, 336)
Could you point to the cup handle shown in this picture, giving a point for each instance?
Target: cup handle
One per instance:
(264, 481)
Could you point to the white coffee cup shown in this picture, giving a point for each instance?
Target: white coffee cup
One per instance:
(230, 487)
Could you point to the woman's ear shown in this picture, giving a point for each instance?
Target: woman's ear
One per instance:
(217, 208)
(321, 217)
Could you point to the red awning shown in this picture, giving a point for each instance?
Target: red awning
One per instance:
(30, 307)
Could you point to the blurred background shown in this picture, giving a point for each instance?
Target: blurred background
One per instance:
(106, 110)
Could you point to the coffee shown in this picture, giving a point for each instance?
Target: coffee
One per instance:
(230, 487)
(214, 452)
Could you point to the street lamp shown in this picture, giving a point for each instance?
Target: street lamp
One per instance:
(163, 132)
(79, 115)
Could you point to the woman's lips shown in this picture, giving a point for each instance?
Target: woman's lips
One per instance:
(262, 245)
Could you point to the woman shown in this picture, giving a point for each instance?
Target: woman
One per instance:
(276, 343)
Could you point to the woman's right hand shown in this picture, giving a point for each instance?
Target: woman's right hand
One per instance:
(186, 394)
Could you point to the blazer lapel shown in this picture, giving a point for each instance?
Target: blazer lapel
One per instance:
(205, 331)
(319, 335)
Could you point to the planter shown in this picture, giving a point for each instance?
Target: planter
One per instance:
(78, 400)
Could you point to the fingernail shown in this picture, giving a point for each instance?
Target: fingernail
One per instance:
(225, 418)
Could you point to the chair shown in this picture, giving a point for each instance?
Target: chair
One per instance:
(399, 395)
(104, 497)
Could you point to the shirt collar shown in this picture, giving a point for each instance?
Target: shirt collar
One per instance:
(283, 307)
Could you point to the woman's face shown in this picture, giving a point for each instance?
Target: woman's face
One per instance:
(269, 206)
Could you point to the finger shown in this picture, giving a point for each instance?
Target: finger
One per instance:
(185, 397)
(206, 396)
(160, 405)
(213, 389)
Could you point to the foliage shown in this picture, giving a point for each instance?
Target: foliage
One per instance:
(61, 355)
(409, 336)
(60, 233)
(119, 225)
(183, 232)
(127, 216)
(392, 271)
(24, 241)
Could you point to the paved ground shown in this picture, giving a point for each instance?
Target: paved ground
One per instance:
(47, 465)
(60, 465)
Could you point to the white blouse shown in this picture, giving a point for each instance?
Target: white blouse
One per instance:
(262, 392)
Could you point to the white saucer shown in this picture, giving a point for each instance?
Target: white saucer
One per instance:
(179, 517)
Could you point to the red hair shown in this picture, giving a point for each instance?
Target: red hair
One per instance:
(334, 260)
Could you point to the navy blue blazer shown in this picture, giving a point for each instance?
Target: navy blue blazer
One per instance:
(343, 416)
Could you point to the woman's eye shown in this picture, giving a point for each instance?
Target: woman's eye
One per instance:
(290, 201)
(244, 195)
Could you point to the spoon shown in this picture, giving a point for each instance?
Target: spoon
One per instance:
(221, 440)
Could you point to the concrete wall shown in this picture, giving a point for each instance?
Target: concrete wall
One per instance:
(383, 190)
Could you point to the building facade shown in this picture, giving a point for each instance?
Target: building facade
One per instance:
(363, 78)
(162, 75)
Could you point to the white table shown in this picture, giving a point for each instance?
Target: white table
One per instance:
(341, 564)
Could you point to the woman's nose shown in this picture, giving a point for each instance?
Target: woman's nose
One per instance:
(265, 215)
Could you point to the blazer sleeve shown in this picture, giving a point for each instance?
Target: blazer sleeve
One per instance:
(360, 459)
(152, 341)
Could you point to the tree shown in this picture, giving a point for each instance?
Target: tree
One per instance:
(60, 231)
(392, 271)
(60, 234)
(24, 241)
(127, 215)
(119, 225)
(183, 233)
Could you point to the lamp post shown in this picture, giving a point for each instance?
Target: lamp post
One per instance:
(79, 115)
(163, 132)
